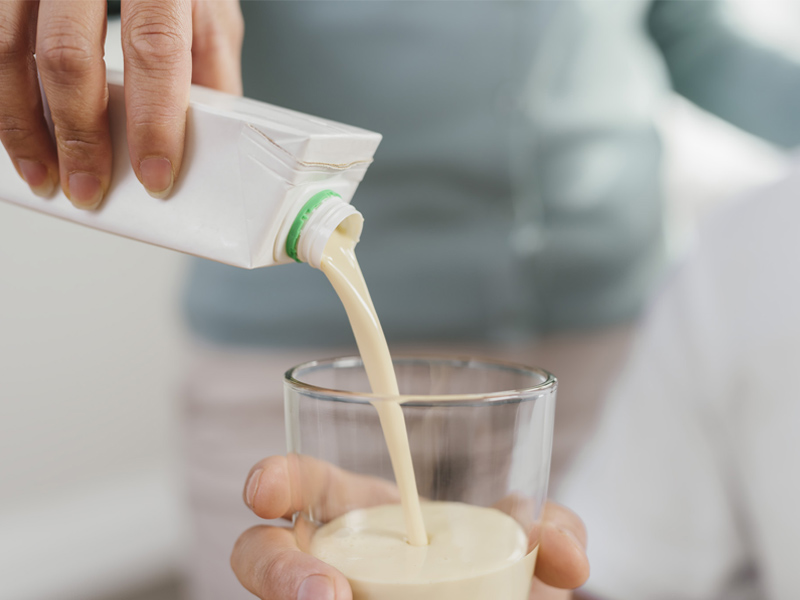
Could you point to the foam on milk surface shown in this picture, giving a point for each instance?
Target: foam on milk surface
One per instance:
(465, 541)
(474, 553)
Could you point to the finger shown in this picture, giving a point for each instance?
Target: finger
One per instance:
(23, 130)
(541, 591)
(69, 54)
(217, 34)
(279, 486)
(156, 43)
(562, 561)
(268, 563)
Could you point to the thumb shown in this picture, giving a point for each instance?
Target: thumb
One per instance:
(562, 561)
(217, 34)
(269, 564)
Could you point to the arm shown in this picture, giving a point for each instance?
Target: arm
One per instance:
(718, 68)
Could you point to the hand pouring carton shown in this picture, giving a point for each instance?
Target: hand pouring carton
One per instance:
(252, 175)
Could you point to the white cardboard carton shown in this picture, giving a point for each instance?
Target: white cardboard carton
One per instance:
(248, 168)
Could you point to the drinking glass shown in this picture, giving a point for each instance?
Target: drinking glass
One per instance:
(480, 433)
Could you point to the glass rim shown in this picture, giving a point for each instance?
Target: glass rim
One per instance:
(523, 394)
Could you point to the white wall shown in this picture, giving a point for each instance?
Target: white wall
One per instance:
(89, 363)
(90, 355)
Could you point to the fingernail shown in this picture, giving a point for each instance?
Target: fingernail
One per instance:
(252, 487)
(85, 190)
(36, 176)
(316, 587)
(157, 176)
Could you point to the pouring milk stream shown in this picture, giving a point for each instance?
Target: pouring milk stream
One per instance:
(341, 268)
(468, 552)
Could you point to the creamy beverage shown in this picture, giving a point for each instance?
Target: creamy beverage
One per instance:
(419, 551)
(474, 553)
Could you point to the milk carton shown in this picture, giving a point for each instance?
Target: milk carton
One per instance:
(260, 185)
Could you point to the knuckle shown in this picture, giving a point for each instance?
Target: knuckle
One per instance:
(217, 40)
(67, 50)
(11, 125)
(15, 132)
(154, 114)
(271, 574)
(214, 35)
(80, 144)
(157, 42)
(14, 43)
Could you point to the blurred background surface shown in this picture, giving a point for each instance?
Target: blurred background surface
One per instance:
(90, 367)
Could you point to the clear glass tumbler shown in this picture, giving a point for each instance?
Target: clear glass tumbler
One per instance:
(480, 434)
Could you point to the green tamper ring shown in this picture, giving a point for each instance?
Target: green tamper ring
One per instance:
(294, 231)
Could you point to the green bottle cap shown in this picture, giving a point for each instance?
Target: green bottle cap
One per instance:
(294, 231)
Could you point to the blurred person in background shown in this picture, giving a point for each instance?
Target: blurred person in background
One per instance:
(689, 487)
(515, 196)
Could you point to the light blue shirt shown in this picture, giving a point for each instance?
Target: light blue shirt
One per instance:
(517, 187)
